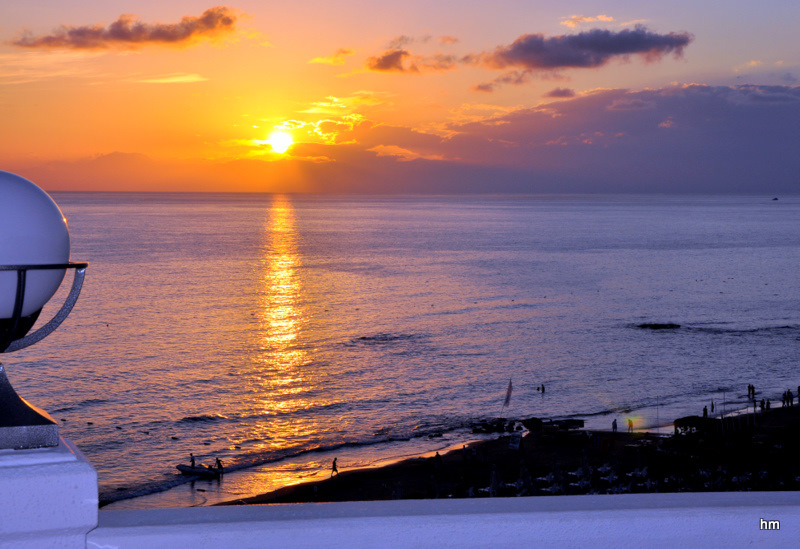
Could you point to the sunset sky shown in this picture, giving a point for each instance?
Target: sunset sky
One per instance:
(413, 97)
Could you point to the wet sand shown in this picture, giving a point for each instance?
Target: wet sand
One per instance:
(741, 453)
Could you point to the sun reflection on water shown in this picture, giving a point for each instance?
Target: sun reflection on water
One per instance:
(283, 380)
(278, 375)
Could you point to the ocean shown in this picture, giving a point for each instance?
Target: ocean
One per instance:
(278, 332)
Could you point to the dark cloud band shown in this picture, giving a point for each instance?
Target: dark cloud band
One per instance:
(583, 50)
(128, 32)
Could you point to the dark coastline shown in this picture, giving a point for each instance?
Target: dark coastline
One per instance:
(748, 452)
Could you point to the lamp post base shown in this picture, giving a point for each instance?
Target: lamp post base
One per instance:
(23, 426)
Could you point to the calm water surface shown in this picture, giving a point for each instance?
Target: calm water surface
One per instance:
(257, 328)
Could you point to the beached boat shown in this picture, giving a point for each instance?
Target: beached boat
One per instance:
(199, 470)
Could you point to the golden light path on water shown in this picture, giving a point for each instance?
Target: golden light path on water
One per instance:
(278, 363)
(279, 376)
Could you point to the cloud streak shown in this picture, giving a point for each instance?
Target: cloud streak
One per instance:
(574, 20)
(338, 57)
(128, 32)
(177, 78)
(402, 61)
(590, 49)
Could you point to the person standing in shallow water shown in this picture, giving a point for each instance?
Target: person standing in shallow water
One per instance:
(334, 468)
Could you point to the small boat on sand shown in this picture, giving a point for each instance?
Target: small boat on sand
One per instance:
(199, 470)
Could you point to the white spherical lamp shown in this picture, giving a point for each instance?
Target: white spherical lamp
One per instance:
(33, 231)
(34, 255)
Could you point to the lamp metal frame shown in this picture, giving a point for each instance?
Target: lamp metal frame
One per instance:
(8, 343)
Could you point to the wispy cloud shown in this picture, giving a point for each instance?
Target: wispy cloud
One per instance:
(748, 66)
(515, 78)
(560, 93)
(177, 78)
(128, 32)
(401, 154)
(25, 67)
(338, 57)
(574, 20)
(346, 104)
(634, 22)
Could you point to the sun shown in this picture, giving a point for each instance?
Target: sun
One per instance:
(280, 141)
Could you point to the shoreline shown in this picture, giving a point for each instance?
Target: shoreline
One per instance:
(742, 453)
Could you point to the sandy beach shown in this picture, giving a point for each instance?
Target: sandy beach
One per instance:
(740, 453)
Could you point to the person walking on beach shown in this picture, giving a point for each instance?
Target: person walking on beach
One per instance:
(191, 458)
(630, 425)
(334, 469)
(614, 426)
(218, 465)
(705, 411)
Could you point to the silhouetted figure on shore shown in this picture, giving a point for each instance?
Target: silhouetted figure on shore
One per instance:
(768, 404)
(630, 425)
(705, 411)
(763, 404)
(712, 406)
(191, 458)
(218, 465)
(790, 397)
(614, 426)
(334, 468)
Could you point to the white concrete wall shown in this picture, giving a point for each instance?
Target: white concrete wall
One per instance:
(641, 520)
(48, 497)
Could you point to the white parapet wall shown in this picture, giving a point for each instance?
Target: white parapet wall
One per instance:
(48, 497)
(633, 520)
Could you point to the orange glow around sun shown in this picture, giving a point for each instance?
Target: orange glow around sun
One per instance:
(280, 141)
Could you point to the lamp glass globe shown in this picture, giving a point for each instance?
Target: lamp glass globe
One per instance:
(33, 231)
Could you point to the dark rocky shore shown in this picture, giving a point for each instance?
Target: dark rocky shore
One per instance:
(742, 453)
